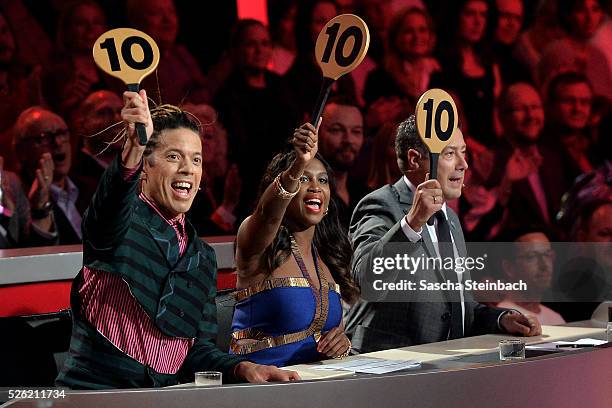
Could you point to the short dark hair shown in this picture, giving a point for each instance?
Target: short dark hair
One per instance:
(407, 137)
(566, 78)
(168, 117)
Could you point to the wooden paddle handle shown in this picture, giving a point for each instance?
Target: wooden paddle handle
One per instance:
(433, 173)
(321, 99)
(140, 127)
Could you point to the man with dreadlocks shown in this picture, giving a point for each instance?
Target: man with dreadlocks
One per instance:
(144, 301)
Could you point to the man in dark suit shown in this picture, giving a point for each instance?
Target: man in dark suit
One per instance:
(397, 215)
(144, 301)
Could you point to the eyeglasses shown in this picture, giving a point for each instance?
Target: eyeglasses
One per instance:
(531, 257)
(57, 137)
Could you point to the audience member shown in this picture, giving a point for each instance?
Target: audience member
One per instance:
(468, 68)
(95, 134)
(19, 87)
(178, 77)
(256, 107)
(282, 31)
(580, 19)
(408, 62)
(43, 141)
(340, 140)
(510, 19)
(73, 74)
(304, 77)
(543, 30)
(529, 176)
(569, 103)
(383, 169)
(17, 228)
(213, 209)
(531, 259)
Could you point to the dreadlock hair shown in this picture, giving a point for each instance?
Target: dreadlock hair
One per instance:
(169, 117)
(330, 239)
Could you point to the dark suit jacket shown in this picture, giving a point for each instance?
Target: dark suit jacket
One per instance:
(522, 205)
(125, 236)
(426, 318)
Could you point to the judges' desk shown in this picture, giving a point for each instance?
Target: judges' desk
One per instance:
(456, 373)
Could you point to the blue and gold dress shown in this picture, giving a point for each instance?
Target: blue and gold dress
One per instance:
(280, 320)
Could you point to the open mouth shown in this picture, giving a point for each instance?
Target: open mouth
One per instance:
(455, 181)
(182, 188)
(59, 157)
(313, 204)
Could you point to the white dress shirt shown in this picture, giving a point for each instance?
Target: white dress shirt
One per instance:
(415, 236)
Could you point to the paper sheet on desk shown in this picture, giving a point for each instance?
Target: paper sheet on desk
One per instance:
(370, 365)
(553, 345)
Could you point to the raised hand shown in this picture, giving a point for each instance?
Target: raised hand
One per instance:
(136, 110)
(428, 199)
(306, 142)
(39, 192)
(520, 166)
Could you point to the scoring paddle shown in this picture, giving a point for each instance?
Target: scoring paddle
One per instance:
(341, 46)
(129, 55)
(436, 120)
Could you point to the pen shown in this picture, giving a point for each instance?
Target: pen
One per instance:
(575, 345)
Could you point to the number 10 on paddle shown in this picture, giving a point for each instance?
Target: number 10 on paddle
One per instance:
(340, 48)
(436, 120)
(129, 55)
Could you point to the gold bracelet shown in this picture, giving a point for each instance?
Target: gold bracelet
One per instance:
(282, 193)
(346, 353)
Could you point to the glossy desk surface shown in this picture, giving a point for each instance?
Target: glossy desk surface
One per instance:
(456, 373)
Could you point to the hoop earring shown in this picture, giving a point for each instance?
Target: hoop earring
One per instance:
(326, 211)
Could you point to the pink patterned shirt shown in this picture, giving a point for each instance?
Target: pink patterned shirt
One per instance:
(110, 307)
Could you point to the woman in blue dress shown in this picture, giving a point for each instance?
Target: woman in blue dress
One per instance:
(293, 263)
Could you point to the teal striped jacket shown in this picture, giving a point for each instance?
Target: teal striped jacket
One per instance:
(124, 235)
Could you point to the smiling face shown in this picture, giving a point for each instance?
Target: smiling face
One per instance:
(415, 38)
(523, 116)
(473, 21)
(308, 207)
(173, 171)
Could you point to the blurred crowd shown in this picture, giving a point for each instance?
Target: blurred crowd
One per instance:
(532, 81)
